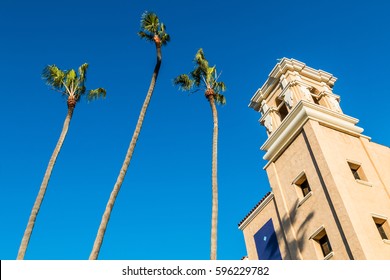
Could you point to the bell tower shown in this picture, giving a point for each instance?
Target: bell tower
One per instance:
(330, 188)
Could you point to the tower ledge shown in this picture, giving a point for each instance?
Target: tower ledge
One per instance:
(295, 120)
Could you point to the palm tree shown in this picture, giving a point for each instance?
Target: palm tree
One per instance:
(206, 78)
(154, 31)
(72, 85)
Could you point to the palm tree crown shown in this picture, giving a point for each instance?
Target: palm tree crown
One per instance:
(70, 83)
(153, 30)
(203, 76)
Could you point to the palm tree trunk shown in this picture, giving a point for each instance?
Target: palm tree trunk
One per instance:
(110, 204)
(214, 210)
(42, 189)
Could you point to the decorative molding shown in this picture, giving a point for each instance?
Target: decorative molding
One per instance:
(298, 177)
(269, 111)
(288, 98)
(267, 119)
(354, 162)
(306, 92)
(362, 182)
(334, 103)
(294, 121)
(283, 81)
(283, 67)
(264, 107)
(316, 232)
(268, 123)
(378, 216)
(328, 256)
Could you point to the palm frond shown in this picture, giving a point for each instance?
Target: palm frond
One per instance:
(71, 75)
(199, 56)
(53, 76)
(202, 71)
(211, 71)
(146, 36)
(184, 82)
(220, 99)
(219, 86)
(149, 22)
(152, 30)
(196, 75)
(164, 36)
(203, 76)
(162, 29)
(82, 72)
(71, 82)
(80, 90)
(96, 93)
(210, 75)
(201, 61)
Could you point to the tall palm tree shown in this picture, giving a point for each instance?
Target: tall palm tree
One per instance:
(154, 31)
(206, 78)
(72, 85)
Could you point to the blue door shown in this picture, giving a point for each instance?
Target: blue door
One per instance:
(266, 243)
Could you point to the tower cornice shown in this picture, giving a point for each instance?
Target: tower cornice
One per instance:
(284, 66)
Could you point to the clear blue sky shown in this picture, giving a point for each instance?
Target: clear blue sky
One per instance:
(164, 207)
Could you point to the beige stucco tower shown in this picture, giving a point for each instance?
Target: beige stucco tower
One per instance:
(330, 185)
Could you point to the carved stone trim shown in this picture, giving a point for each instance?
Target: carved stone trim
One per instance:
(295, 120)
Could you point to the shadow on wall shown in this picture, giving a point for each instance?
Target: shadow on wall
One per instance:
(289, 225)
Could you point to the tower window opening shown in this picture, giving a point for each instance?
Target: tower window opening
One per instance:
(322, 243)
(325, 245)
(315, 95)
(382, 227)
(302, 187)
(357, 171)
(315, 99)
(282, 108)
(283, 111)
(305, 187)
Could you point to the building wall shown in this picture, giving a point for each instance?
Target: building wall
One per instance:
(380, 157)
(361, 198)
(322, 154)
(309, 134)
(300, 222)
